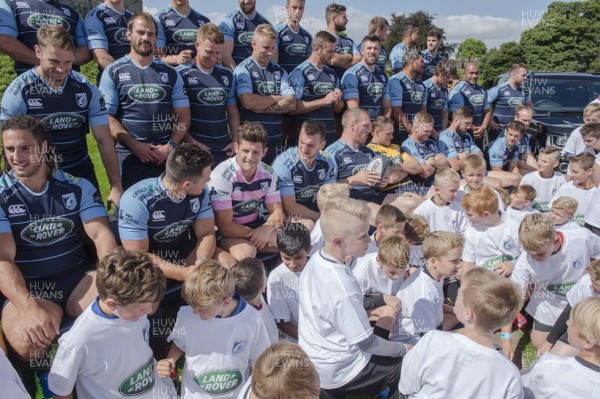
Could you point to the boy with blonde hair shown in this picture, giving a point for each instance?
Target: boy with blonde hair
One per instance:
(380, 276)
(106, 353)
(546, 180)
(325, 197)
(233, 335)
(491, 241)
(421, 294)
(582, 185)
(562, 211)
(554, 376)
(467, 359)
(415, 231)
(521, 199)
(333, 328)
(475, 175)
(553, 261)
(441, 211)
(575, 144)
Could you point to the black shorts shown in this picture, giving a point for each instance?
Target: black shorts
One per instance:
(133, 170)
(541, 327)
(59, 287)
(372, 196)
(84, 169)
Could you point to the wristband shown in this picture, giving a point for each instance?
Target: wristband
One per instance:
(504, 335)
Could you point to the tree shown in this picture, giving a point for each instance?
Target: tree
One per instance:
(496, 62)
(424, 21)
(471, 49)
(565, 38)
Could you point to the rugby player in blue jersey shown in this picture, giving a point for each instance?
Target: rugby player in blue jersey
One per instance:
(431, 55)
(293, 41)
(43, 215)
(381, 27)
(19, 21)
(346, 52)
(149, 113)
(410, 37)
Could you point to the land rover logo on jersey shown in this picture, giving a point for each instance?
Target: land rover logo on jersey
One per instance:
(63, 120)
(140, 381)
(82, 100)
(515, 101)
(477, 99)
(172, 231)
(185, 36)
(212, 96)
(430, 70)
(247, 207)
(219, 382)
(323, 88)
(121, 36)
(69, 201)
(246, 38)
(267, 88)
(296, 49)
(36, 21)
(439, 103)
(47, 231)
(375, 89)
(148, 93)
(416, 97)
(195, 203)
(307, 193)
(495, 261)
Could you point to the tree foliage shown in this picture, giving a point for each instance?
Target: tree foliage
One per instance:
(565, 39)
(424, 21)
(471, 49)
(498, 61)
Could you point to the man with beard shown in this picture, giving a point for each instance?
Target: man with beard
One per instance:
(148, 111)
(293, 41)
(364, 85)
(346, 52)
(238, 28)
(316, 86)
(431, 55)
(410, 37)
(456, 142)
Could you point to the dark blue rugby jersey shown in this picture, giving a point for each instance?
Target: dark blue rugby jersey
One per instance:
(506, 99)
(22, 18)
(344, 45)
(348, 162)
(429, 63)
(47, 226)
(370, 87)
(235, 26)
(178, 32)
(67, 111)
(406, 93)
(311, 83)
(142, 98)
(422, 152)
(209, 95)
(147, 211)
(107, 29)
(381, 60)
(473, 97)
(294, 178)
(294, 47)
(436, 99)
(251, 78)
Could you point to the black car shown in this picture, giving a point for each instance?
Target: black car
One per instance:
(558, 100)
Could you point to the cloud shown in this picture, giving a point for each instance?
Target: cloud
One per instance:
(493, 31)
(151, 10)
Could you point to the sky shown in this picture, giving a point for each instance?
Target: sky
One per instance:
(493, 22)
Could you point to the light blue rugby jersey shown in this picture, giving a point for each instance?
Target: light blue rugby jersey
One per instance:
(369, 87)
(348, 162)
(451, 144)
(500, 154)
(406, 93)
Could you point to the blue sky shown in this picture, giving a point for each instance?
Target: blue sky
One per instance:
(494, 22)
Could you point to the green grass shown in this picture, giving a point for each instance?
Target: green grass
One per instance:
(98, 166)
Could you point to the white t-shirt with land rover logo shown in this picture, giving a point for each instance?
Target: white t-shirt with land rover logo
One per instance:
(583, 197)
(544, 188)
(107, 357)
(218, 352)
(554, 277)
(488, 246)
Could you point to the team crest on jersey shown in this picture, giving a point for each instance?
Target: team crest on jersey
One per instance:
(66, 11)
(239, 24)
(578, 263)
(277, 75)
(238, 346)
(82, 99)
(264, 186)
(195, 205)
(69, 201)
(508, 244)
(225, 80)
(164, 77)
(321, 173)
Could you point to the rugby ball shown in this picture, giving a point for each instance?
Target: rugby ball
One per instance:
(379, 164)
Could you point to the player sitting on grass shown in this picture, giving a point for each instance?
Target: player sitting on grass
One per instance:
(570, 377)
(106, 354)
(466, 364)
(219, 333)
(421, 294)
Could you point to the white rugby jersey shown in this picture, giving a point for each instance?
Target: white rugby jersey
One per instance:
(371, 277)
(488, 246)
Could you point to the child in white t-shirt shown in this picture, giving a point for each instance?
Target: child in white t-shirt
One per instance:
(562, 211)
(474, 173)
(219, 333)
(591, 137)
(553, 376)
(324, 196)
(415, 231)
(12, 386)
(582, 185)
(106, 353)
(389, 222)
(491, 241)
(441, 211)
(293, 241)
(421, 294)
(521, 199)
(466, 364)
(379, 276)
(547, 179)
